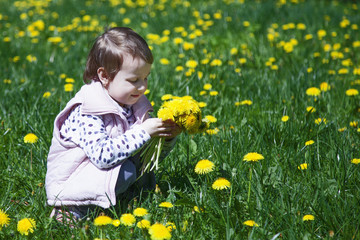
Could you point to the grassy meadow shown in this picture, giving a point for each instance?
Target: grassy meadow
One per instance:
(275, 77)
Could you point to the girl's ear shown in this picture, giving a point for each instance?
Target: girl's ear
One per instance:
(103, 77)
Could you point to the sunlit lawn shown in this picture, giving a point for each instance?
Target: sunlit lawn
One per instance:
(277, 78)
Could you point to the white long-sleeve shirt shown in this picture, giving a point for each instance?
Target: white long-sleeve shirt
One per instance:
(88, 132)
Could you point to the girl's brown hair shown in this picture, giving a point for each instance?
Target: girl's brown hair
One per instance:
(109, 49)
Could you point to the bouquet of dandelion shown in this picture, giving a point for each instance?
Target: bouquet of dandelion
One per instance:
(186, 113)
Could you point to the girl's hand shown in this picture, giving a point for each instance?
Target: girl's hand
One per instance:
(156, 127)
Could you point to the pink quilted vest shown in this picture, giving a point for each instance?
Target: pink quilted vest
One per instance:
(71, 178)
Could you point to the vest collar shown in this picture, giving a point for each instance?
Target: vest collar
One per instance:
(96, 101)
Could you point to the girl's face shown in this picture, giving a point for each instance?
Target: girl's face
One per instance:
(130, 83)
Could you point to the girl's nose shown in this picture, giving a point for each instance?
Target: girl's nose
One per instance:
(142, 86)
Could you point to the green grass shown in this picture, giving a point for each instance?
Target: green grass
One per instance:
(280, 195)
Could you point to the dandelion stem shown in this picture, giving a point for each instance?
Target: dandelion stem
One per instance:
(188, 148)
(248, 199)
(31, 159)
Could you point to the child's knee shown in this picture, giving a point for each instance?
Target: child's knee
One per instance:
(127, 176)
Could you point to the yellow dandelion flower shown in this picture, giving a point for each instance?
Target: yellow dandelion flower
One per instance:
(178, 41)
(353, 124)
(352, 92)
(316, 54)
(31, 58)
(4, 219)
(158, 231)
(342, 129)
(205, 61)
(187, 98)
(253, 157)
(242, 61)
(144, 24)
(202, 104)
(166, 205)
(320, 120)
(310, 109)
(46, 94)
(191, 123)
(321, 33)
(210, 118)
(212, 131)
(166, 97)
(86, 18)
(188, 46)
(233, 51)
(140, 212)
(355, 160)
(214, 93)
(244, 102)
(272, 59)
(285, 118)
(204, 166)
(246, 23)
(164, 61)
(308, 36)
(16, 59)
(143, 224)
(54, 39)
(324, 87)
(127, 219)
(288, 47)
(116, 222)
(327, 47)
(179, 69)
(198, 209)
(30, 138)
(251, 223)
(220, 184)
(165, 114)
(207, 86)
(303, 166)
(313, 91)
(26, 226)
(170, 226)
(301, 26)
(69, 87)
(69, 80)
(274, 67)
(308, 217)
(203, 93)
(185, 111)
(310, 142)
(343, 71)
(126, 21)
(191, 64)
(102, 221)
(216, 62)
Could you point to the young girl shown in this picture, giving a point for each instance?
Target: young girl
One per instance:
(91, 161)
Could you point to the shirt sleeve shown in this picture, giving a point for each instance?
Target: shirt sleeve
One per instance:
(88, 132)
